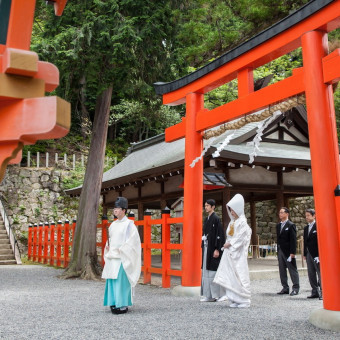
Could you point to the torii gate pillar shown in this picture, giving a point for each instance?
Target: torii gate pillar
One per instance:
(306, 28)
(325, 166)
(193, 200)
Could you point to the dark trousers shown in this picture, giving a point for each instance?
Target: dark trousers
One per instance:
(313, 269)
(293, 272)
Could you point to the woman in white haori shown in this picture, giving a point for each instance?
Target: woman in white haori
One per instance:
(233, 273)
(122, 260)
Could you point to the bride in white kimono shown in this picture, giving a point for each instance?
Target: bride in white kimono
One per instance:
(232, 273)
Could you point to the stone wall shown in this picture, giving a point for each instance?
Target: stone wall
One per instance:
(35, 195)
(267, 217)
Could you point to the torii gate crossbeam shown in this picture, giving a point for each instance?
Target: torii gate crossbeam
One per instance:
(306, 28)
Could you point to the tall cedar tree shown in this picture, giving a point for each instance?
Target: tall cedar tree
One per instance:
(104, 50)
(128, 45)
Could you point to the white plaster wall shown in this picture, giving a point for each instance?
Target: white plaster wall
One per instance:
(300, 178)
(247, 175)
(151, 189)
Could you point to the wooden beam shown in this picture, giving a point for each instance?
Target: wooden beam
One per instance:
(252, 102)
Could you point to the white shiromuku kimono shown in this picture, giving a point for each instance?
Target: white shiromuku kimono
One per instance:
(125, 250)
(232, 273)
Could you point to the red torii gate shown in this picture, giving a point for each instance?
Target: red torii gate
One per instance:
(25, 114)
(308, 28)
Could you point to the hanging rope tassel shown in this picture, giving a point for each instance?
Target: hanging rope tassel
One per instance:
(251, 118)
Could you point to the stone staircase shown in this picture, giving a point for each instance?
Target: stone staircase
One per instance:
(6, 252)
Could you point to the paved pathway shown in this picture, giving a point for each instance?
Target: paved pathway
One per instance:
(35, 304)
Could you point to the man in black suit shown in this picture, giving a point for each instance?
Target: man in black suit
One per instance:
(311, 254)
(212, 242)
(286, 249)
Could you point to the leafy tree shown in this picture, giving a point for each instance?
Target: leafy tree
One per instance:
(110, 52)
(208, 28)
(105, 51)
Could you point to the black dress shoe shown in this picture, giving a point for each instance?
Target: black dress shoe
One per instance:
(283, 291)
(294, 292)
(313, 296)
(120, 311)
(112, 309)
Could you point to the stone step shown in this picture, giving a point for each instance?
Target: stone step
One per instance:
(3, 236)
(3, 262)
(3, 231)
(4, 241)
(7, 251)
(7, 257)
(5, 246)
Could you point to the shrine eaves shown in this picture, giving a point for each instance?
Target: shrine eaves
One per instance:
(26, 115)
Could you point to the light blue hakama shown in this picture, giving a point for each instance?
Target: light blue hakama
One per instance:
(118, 291)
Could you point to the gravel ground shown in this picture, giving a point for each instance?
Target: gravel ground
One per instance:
(35, 304)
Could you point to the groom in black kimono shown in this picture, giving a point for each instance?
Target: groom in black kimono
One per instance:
(212, 242)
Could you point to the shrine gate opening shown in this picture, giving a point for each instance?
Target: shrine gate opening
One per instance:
(306, 28)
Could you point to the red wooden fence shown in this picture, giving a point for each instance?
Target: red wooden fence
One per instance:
(52, 244)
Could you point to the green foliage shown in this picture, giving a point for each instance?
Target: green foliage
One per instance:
(140, 120)
(208, 28)
(22, 237)
(337, 110)
(132, 44)
(334, 38)
(55, 213)
(281, 67)
(74, 178)
(99, 43)
(16, 220)
(37, 212)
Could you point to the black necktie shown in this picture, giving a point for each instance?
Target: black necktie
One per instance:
(282, 225)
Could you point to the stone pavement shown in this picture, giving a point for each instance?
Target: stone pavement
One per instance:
(259, 268)
(35, 304)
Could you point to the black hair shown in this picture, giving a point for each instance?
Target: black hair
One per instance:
(211, 202)
(286, 210)
(311, 211)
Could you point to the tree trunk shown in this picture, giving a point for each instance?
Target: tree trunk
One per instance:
(84, 251)
(85, 121)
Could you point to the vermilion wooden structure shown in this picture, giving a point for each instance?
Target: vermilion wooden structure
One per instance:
(308, 29)
(25, 114)
(51, 244)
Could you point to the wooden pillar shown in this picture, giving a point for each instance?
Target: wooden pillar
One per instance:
(140, 210)
(163, 201)
(324, 152)
(286, 201)
(225, 199)
(163, 206)
(104, 206)
(245, 82)
(279, 195)
(253, 225)
(193, 195)
(140, 214)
